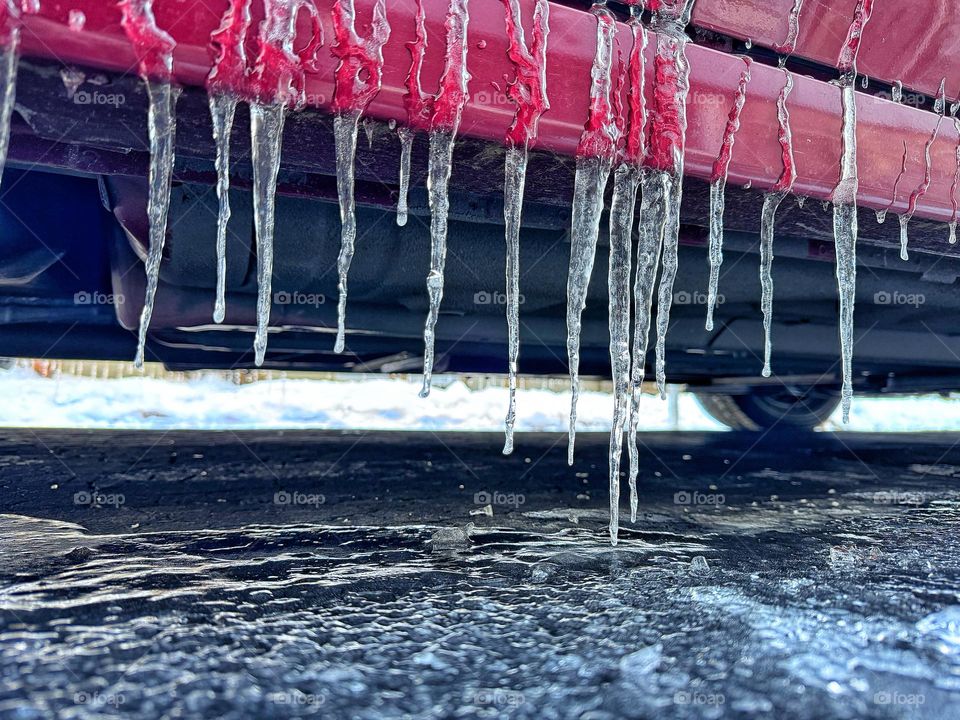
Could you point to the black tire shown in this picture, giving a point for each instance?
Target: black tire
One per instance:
(779, 408)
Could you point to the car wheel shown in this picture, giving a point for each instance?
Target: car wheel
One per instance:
(785, 408)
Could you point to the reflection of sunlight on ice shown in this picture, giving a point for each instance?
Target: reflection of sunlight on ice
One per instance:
(213, 401)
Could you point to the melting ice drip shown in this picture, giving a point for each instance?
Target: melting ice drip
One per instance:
(529, 92)
(357, 80)
(667, 145)
(956, 187)
(789, 45)
(595, 155)
(226, 78)
(9, 58)
(277, 85)
(154, 51)
(626, 185)
(845, 198)
(444, 125)
(771, 202)
(718, 186)
(921, 190)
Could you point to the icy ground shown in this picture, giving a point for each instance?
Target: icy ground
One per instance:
(333, 575)
(212, 403)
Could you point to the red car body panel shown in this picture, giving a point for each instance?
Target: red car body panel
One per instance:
(886, 130)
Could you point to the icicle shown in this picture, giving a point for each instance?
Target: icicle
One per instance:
(718, 184)
(227, 77)
(918, 194)
(358, 78)
(940, 104)
(897, 92)
(9, 58)
(154, 51)
(529, 92)
(277, 86)
(668, 142)
(444, 124)
(594, 161)
(222, 111)
(771, 202)
(881, 217)
(406, 148)
(649, 247)
(845, 198)
(787, 48)
(956, 187)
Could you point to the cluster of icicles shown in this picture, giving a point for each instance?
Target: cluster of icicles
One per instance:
(641, 147)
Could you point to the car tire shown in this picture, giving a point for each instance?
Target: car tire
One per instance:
(786, 409)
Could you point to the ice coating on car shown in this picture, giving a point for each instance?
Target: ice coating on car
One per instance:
(9, 59)
(924, 185)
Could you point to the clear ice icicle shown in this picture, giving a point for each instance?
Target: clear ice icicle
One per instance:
(956, 187)
(419, 107)
(595, 154)
(226, 79)
(444, 124)
(358, 78)
(406, 135)
(789, 45)
(626, 184)
(667, 144)
(845, 198)
(9, 59)
(718, 184)
(921, 190)
(771, 202)
(529, 92)
(154, 50)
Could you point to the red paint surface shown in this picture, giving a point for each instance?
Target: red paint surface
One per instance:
(360, 72)
(666, 133)
(850, 49)
(528, 89)
(228, 44)
(785, 138)
(601, 131)
(279, 72)
(452, 98)
(153, 47)
(419, 104)
(892, 37)
(722, 164)
(921, 190)
(636, 125)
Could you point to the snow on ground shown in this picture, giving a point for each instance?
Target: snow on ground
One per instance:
(214, 403)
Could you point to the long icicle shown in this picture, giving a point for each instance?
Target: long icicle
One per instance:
(9, 60)
(227, 79)
(358, 79)
(771, 202)
(154, 51)
(668, 143)
(626, 184)
(406, 135)
(595, 155)
(956, 187)
(419, 106)
(444, 125)
(277, 86)
(718, 185)
(529, 91)
(921, 190)
(845, 198)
